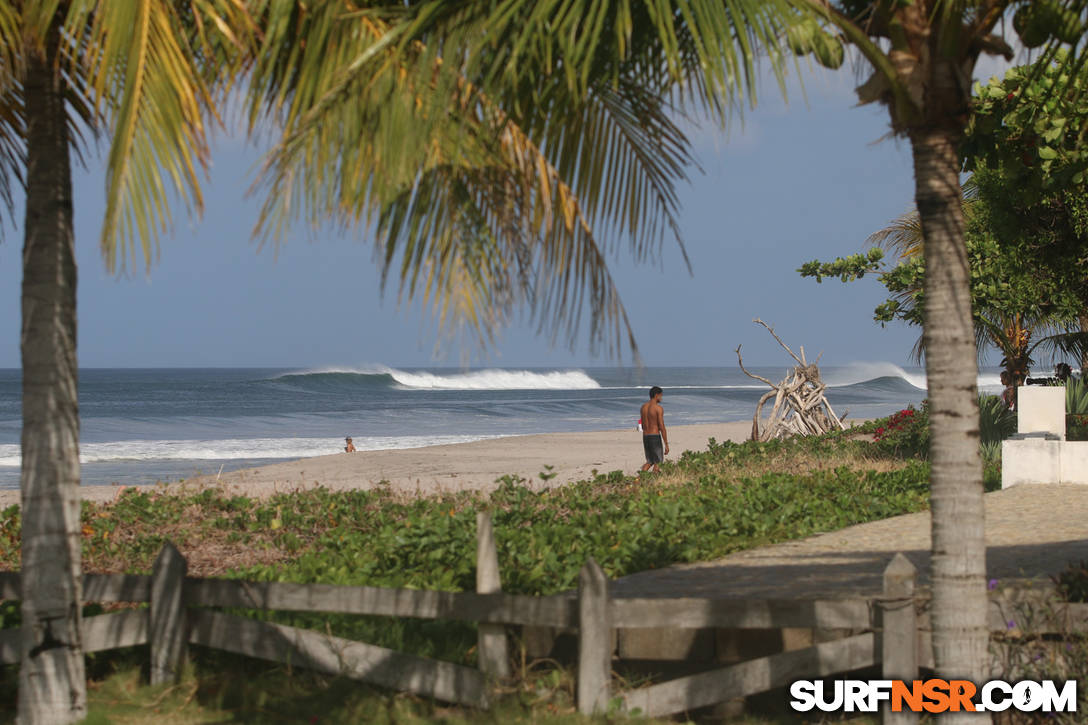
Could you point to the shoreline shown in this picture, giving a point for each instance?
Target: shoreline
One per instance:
(444, 468)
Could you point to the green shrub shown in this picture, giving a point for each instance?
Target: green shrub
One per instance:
(1076, 396)
(1073, 582)
(995, 421)
(709, 503)
(544, 537)
(904, 434)
(1076, 410)
(1076, 427)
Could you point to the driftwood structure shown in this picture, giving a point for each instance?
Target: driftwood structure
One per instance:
(800, 406)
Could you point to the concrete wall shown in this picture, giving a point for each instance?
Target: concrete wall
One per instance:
(1041, 409)
(1074, 461)
(1031, 460)
(1047, 458)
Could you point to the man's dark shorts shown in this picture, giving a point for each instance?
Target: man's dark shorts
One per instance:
(655, 449)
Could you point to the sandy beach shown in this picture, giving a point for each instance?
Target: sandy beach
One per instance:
(447, 468)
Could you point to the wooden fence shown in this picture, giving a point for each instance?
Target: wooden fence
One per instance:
(893, 633)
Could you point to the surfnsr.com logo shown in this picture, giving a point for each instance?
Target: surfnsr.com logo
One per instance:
(933, 696)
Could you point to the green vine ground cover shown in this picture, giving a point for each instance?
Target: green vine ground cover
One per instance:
(708, 504)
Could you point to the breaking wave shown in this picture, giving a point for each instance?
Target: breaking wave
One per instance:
(491, 379)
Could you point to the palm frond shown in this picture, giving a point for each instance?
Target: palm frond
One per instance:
(918, 350)
(623, 156)
(371, 133)
(990, 331)
(1065, 344)
(35, 20)
(717, 43)
(12, 153)
(983, 339)
(12, 41)
(12, 133)
(144, 74)
(480, 269)
(903, 236)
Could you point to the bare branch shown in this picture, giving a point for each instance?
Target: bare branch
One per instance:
(800, 404)
(776, 337)
(751, 375)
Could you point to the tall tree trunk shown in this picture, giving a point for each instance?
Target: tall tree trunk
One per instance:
(960, 634)
(52, 684)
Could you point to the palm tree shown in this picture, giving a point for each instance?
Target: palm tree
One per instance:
(924, 80)
(1015, 326)
(142, 71)
(922, 56)
(488, 143)
(1018, 336)
(487, 199)
(493, 176)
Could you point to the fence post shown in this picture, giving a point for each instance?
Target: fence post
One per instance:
(491, 649)
(168, 631)
(899, 638)
(594, 640)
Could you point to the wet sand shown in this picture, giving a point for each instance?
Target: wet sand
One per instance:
(448, 468)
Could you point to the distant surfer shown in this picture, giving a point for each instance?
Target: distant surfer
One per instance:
(350, 447)
(655, 439)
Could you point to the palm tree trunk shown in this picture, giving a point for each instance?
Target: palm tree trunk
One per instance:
(960, 634)
(52, 684)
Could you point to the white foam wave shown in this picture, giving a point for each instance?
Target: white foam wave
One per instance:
(220, 450)
(496, 379)
(489, 379)
(862, 372)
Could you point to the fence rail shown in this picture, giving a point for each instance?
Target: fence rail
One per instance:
(337, 656)
(752, 677)
(894, 630)
(553, 611)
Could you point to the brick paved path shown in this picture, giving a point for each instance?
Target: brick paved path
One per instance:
(1032, 531)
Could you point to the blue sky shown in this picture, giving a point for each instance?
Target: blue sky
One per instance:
(799, 181)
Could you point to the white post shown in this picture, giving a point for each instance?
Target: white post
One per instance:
(898, 639)
(168, 627)
(491, 648)
(594, 640)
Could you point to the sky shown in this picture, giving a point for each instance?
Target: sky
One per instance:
(797, 181)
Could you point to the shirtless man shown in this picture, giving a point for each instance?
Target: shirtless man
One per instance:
(350, 447)
(654, 436)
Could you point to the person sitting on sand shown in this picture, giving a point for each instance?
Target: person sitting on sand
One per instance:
(655, 439)
(350, 447)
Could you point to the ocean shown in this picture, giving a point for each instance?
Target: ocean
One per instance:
(140, 426)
